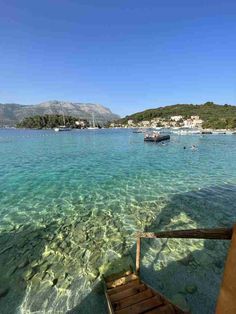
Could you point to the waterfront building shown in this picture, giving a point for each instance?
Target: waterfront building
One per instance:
(176, 118)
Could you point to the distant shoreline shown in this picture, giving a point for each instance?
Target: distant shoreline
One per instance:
(171, 129)
(176, 129)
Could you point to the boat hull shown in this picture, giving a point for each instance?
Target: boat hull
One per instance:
(62, 129)
(157, 139)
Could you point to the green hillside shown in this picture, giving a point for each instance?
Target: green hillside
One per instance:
(213, 115)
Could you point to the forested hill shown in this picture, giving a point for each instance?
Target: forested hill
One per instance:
(51, 121)
(209, 112)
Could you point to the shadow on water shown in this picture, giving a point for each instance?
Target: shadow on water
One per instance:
(187, 271)
(21, 252)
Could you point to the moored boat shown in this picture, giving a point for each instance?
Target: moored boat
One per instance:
(156, 137)
(218, 133)
(62, 128)
(93, 127)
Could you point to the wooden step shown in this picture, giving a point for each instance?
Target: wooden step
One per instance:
(129, 295)
(134, 299)
(127, 292)
(121, 281)
(117, 276)
(165, 309)
(142, 307)
(128, 285)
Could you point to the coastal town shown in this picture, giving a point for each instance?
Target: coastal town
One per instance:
(174, 121)
(207, 116)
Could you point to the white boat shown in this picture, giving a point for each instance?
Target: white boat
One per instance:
(187, 131)
(181, 132)
(62, 127)
(218, 132)
(195, 132)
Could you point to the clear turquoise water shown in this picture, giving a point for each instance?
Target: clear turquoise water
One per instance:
(71, 202)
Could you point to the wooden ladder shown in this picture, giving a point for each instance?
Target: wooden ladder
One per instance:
(126, 293)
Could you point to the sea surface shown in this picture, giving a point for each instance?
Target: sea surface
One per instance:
(71, 202)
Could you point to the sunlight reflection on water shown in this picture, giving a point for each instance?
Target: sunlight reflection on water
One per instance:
(70, 204)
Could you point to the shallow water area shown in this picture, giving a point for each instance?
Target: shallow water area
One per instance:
(72, 201)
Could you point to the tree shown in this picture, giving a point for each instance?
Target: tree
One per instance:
(51, 121)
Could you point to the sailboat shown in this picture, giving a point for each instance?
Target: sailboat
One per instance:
(62, 127)
(94, 127)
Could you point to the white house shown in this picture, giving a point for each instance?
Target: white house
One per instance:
(176, 118)
(155, 120)
(197, 123)
(146, 123)
(195, 117)
(188, 123)
(193, 123)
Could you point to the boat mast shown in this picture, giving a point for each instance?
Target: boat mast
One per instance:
(64, 120)
(93, 121)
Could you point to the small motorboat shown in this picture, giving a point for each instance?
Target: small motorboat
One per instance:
(156, 137)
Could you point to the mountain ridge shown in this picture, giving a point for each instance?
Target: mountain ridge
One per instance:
(13, 113)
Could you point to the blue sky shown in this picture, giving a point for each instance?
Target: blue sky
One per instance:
(127, 55)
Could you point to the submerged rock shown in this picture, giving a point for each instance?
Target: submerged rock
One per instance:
(54, 282)
(23, 263)
(34, 263)
(4, 292)
(187, 260)
(219, 264)
(202, 258)
(180, 301)
(27, 274)
(191, 288)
